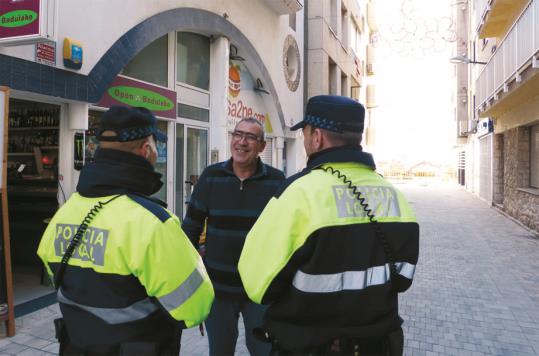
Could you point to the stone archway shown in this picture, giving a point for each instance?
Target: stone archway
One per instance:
(133, 41)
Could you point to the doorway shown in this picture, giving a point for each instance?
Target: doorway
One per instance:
(191, 160)
(32, 189)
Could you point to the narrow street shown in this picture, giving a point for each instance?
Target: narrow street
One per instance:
(476, 288)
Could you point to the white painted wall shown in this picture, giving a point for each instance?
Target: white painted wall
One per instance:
(98, 24)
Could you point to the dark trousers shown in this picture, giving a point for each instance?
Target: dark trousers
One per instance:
(170, 348)
(222, 327)
(391, 345)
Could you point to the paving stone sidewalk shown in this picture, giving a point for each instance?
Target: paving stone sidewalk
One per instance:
(476, 287)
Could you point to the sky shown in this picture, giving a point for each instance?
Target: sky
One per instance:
(414, 82)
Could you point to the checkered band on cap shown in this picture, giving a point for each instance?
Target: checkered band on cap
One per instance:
(326, 124)
(129, 134)
(134, 133)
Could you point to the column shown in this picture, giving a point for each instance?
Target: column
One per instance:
(218, 98)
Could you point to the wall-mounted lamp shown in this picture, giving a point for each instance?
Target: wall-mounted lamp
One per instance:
(259, 87)
(234, 54)
(463, 59)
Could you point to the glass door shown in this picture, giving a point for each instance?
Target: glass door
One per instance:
(191, 159)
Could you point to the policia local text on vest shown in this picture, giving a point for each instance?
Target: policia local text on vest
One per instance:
(134, 280)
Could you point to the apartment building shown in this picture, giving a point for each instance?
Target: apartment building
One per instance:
(499, 124)
(340, 52)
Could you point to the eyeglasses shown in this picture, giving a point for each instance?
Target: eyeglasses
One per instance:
(249, 137)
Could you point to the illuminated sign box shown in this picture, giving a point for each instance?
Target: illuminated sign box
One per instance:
(72, 54)
(485, 126)
(26, 21)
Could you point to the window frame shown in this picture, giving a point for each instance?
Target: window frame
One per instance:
(167, 58)
(177, 69)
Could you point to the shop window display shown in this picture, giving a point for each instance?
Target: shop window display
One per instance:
(32, 187)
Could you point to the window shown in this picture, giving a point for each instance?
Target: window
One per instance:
(193, 113)
(333, 14)
(355, 38)
(161, 164)
(193, 60)
(344, 27)
(355, 90)
(150, 65)
(534, 157)
(344, 84)
(332, 82)
(179, 179)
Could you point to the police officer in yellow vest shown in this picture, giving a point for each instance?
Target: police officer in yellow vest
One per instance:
(332, 250)
(128, 279)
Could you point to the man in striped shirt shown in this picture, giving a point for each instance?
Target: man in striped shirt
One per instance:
(228, 198)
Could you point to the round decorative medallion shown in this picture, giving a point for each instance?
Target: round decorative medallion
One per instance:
(291, 63)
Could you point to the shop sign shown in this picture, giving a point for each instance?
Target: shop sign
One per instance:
(243, 100)
(485, 126)
(128, 92)
(72, 54)
(23, 21)
(46, 53)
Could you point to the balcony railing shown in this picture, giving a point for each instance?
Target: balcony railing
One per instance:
(480, 9)
(517, 48)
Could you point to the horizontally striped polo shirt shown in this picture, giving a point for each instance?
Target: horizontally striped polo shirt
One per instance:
(230, 207)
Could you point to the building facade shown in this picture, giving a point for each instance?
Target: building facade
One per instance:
(200, 66)
(340, 52)
(501, 137)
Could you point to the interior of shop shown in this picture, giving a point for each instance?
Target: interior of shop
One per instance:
(32, 190)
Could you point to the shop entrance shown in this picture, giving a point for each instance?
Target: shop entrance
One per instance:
(32, 188)
(191, 159)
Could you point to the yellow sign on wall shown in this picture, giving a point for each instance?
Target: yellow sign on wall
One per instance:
(72, 54)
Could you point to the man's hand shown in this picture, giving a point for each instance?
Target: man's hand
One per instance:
(202, 251)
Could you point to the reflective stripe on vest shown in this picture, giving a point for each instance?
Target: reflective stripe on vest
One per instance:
(349, 280)
(177, 297)
(135, 311)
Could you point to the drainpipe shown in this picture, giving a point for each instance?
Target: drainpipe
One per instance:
(305, 52)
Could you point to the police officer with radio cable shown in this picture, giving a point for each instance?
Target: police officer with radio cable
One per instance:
(127, 278)
(334, 247)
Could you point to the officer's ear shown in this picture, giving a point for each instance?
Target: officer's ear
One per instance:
(143, 148)
(318, 139)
